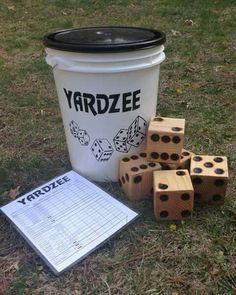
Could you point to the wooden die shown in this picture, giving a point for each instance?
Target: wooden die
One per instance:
(209, 176)
(165, 139)
(173, 195)
(136, 175)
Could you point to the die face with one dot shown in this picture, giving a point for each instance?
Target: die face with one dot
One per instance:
(209, 176)
(165, 139)
(136, 176)
(173, 195)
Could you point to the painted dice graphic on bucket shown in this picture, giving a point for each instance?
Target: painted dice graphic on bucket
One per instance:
(74, 128)
(83, 137)
(102, 150)
(137, 131)
(120, 141)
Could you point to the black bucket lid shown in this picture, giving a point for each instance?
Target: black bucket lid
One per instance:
(104, 39)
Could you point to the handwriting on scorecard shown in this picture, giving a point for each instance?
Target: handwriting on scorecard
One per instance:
(43, 190)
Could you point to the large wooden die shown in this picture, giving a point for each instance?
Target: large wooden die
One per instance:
(173, 195)
(136, 175)
(209, 176)
(165, 139)
(183, 164)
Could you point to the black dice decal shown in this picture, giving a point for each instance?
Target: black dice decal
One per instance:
(102, 150)
(74, 128)
(80, 134)
(120, 141)
(83, 137)
(133, 136)
(137, 131)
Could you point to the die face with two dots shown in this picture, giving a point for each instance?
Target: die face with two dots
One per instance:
(173, 195)
(165, 139)
(209, 176)
(136, 175)
(183, 164)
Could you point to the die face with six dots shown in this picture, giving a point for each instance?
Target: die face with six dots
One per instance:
(165, 139)
(173, 195)
(209, 176)
(136, 175)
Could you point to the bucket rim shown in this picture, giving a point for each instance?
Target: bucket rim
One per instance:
(110, 39)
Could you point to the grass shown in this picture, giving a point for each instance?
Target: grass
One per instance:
(197, 82)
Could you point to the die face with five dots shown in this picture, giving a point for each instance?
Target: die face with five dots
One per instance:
(209, 176)
(173, 195)
(136, 175)
(165, 139)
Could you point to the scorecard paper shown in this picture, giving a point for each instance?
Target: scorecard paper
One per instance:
(67, 218)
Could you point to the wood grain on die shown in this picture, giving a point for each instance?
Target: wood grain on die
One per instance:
(165, 139)
(173, 194)
(136, 175)
(183, 164)
(209, 176)
(210, 166)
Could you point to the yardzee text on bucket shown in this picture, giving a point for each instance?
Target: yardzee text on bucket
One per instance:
(102, 103)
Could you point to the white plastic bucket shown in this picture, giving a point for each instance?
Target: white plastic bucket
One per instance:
(107, 90)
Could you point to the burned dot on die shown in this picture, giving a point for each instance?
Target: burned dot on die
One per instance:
(218, 159)
(208, 165)
(119, 181)
(165, 138)
(152, 164)
(219, 182)
(197, 158)
(164, 214)
(197, 180)
(143, 166)
(197, 170)
(219, 171)
(174, 157)
(137, 179)
(180, 173)
(185, 197)
(151, 191)
(186, 154)
(216, 198)
(125, 159)
(176, 129)
(134, 157)
(164, 198)
(127, 177)
(185, 213)
(164, 156)
(159, 119)
(123, 179)
(176, 139)
(154, 155)
(143, 155)
(162, 186)
(155, 137)
(134, 169)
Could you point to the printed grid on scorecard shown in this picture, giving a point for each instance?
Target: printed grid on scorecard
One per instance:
(68, 222)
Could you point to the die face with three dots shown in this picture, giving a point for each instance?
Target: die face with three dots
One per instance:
(209, 176)
(173, 195)
(136, 175)
(165, 139)
(183, 164)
